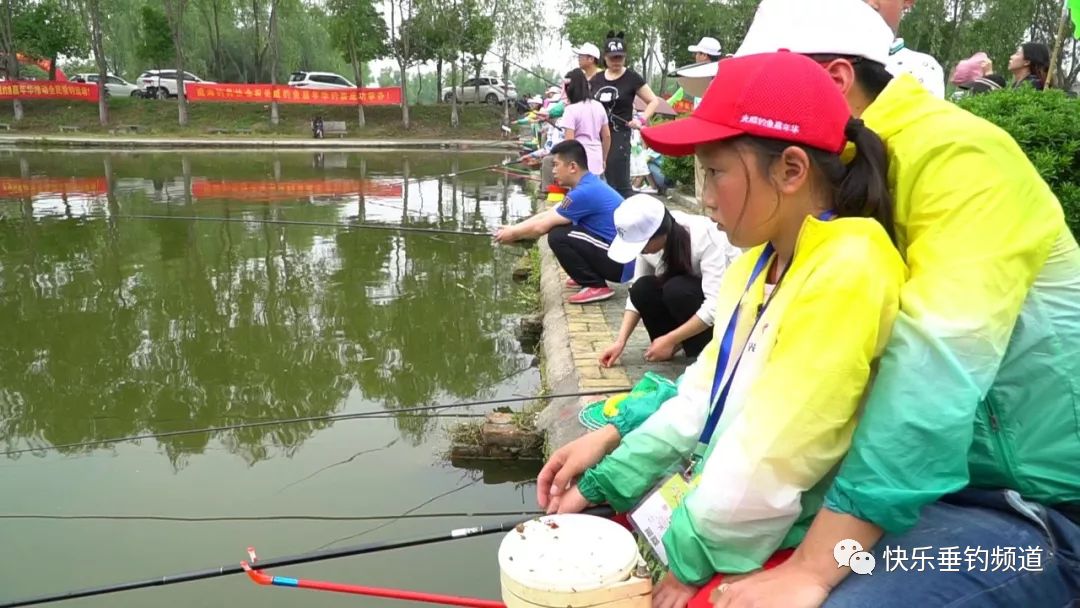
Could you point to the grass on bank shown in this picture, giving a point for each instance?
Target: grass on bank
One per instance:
(160, 118)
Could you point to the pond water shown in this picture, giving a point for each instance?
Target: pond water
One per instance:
(115, 325)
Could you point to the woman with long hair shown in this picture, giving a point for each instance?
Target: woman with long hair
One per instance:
(1030, 64)
(585, 120)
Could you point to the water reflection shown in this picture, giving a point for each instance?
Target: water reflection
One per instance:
(118, 326)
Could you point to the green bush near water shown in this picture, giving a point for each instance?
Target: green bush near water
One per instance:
(1046, 124)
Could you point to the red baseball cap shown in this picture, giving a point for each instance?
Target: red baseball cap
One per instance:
(783, 95)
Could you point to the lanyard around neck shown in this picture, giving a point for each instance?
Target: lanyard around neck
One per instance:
(719, 393)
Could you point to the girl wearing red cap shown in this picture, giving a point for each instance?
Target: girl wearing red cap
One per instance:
(745, 450)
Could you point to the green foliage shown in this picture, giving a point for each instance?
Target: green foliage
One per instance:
(48, 29)
(679, 168)
(1046, 124)
(155, 37)
(357, 30)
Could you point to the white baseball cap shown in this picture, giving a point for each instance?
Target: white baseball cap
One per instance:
(819, 27)
(707, 45)
(589, 49)
(636, 221)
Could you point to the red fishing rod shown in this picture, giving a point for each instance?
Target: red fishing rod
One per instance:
(261, 578)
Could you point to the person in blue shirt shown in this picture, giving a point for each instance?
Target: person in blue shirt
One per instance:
(579, 229)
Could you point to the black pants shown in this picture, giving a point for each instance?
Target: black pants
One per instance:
(617, 169)
(666, 307)
(584, 256)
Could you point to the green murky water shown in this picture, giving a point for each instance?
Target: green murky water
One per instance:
(112, 326)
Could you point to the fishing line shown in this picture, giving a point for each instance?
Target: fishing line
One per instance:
(256, 518)
(323, 418)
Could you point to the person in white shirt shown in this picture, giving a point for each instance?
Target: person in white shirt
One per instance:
(679, 259)
(903, 60)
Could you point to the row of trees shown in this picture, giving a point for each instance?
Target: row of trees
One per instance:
(262, 40)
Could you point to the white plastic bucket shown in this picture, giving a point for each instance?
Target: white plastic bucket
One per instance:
(572, 561)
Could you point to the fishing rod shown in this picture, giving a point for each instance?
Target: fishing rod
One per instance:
(291, 560)
(258, 518)
(365, 226)
(324, 418)
(505, 163)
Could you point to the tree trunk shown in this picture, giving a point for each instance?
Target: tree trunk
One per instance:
(258, 43)
(358, 73)
(506, 91)
(438, 80)
(404, 95)
(7, 46)
(274, 118)
(176, 15)
(1059, 40)
(455, 119)
(419, 83)
(99, 57)
(52, 68)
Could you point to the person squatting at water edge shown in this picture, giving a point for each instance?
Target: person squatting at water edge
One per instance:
(767, 410)
(580, 229)
(678, 262)
(969, 435)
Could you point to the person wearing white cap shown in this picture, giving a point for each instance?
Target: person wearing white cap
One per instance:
(707, 49)
(970, 433)
(679, 261)
(588, 57)
(903, 60)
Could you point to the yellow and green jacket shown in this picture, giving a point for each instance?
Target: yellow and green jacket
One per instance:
(791, 410)
(980, 382)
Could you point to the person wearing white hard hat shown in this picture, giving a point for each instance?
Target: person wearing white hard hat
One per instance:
(969, 435)
(707, 49)
(588, 57)
(680, 259)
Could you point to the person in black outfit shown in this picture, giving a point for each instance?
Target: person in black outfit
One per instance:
(616, 88)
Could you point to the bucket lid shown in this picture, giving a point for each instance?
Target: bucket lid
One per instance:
(568, 553)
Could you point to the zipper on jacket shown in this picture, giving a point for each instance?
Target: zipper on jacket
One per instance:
(1004, 456)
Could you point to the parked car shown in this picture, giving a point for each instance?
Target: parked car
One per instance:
(487, 90)
(114, 85)
(319, 80)
(163, 84)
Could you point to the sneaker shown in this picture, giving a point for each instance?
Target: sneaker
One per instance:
(572, 284)
(591, 294)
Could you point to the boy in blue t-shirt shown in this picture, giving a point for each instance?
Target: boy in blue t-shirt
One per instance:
(580, 228)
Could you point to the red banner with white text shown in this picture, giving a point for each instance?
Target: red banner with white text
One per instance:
(265, 93)
(266, 191)
(45, 89)
(34, 186)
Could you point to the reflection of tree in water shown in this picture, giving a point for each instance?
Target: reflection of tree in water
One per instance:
(162, 326)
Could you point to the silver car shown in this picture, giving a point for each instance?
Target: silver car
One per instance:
(115, 86)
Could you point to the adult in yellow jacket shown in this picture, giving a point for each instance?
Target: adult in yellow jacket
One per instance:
(767, 411)
(966, 457)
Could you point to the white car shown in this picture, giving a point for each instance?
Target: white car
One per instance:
(319, 80)
(114, 85)
(487, 90)
(162, 84)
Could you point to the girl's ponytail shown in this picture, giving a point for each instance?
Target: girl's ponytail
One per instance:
(863, 191)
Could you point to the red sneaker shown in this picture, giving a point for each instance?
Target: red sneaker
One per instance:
(571, 283)
(591, 294)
